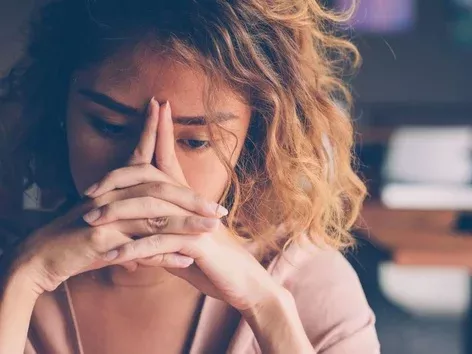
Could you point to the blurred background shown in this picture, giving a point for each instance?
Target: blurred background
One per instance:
(414, 118)
(413, 115)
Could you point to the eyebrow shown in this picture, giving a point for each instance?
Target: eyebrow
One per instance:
(110, 103)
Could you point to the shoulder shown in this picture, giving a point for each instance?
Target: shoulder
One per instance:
(329, 298)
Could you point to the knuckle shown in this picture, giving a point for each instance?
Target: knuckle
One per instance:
(129, 250)
(154, 241)
(159, 258)
(198, 199)
(155, 225)
(157, 189)
(190, 223)
(96, 236)
(149, 203)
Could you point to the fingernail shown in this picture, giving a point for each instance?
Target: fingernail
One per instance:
(152, 103)
(91, 189)
(185, 261)
(209, 223)
(92, 216)
(111, 255)
(167, 107)
(217, 209)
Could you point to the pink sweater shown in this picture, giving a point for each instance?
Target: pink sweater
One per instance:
(329, 298)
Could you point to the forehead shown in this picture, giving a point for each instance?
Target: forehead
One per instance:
(133, 77)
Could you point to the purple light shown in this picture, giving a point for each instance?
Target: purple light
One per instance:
(381, 16)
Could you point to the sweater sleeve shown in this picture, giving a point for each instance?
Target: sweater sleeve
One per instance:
(332, 305)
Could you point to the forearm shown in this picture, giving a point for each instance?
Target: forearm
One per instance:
(16, 306)
(278, 328)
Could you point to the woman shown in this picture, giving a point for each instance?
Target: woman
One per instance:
(201, 209)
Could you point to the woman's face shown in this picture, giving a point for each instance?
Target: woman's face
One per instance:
(105, 116)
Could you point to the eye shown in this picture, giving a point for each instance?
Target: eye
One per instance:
(194, 144)
(107, 129)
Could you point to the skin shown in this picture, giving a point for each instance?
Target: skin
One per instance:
(150, 204)
(132, 82)
(92, 155)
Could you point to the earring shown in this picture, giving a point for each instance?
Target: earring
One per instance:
(62, 125)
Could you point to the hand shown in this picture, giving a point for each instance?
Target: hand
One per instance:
(142, 201)
(68, 246)
(65, 247)
(222, 267)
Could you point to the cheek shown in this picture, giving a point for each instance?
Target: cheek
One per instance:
(206, 175)
(90, 156)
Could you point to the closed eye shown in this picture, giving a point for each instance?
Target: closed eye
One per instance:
(107, 129)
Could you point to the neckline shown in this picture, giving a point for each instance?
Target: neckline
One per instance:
(208, 308)
(73, 317)
(192, 339)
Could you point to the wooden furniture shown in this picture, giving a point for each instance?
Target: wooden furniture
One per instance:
(417, 237)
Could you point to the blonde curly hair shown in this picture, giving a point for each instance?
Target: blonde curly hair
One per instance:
(284, 57)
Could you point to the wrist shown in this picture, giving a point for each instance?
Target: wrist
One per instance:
(20, 282)
(17, 300)
(23, 276)
(278, 300)
(277, 325)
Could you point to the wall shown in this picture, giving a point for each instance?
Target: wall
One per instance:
(420, 67)
(13, 15)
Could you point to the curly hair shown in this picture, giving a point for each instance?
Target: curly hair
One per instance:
(285, 57)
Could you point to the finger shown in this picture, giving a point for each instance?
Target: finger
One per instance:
(166, 158)
(130, 266)
(73, 217)
(126, 177)
(180, 196)
(187, 225)
(97, 241)
(168, 260)
(103, 239)
(134, 208)
(144, 151)
(154, 245)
